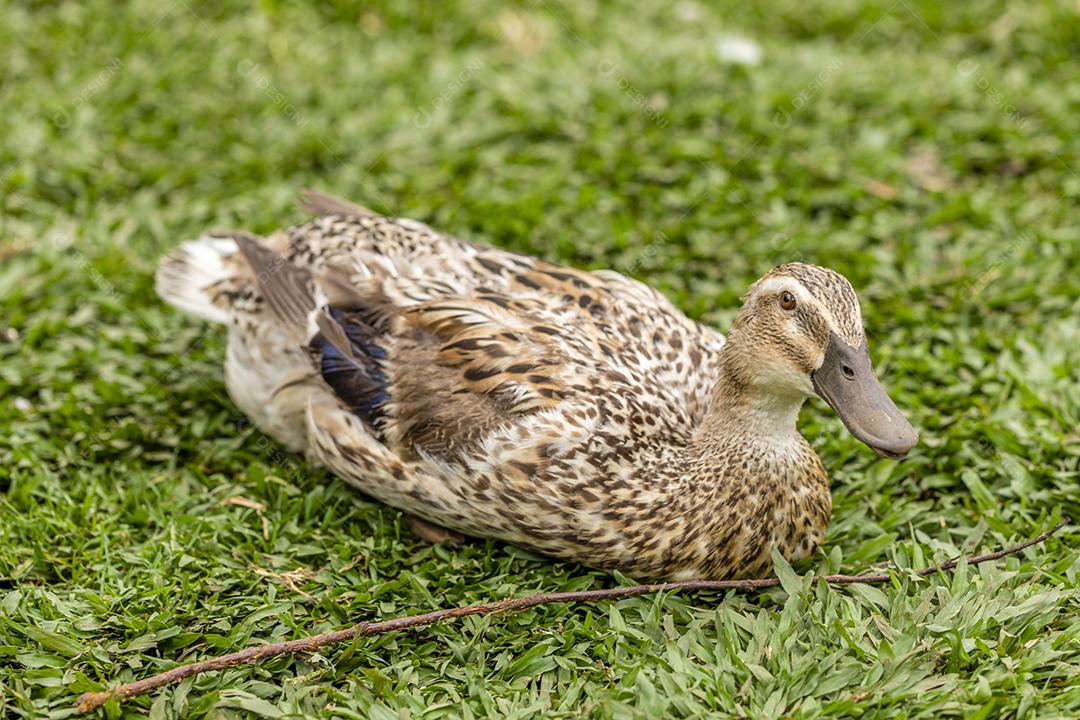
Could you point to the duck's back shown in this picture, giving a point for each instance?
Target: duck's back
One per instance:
(446, 378)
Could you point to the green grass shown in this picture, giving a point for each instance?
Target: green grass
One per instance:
(928, 154)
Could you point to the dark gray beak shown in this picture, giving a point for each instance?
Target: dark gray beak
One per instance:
(846, 381)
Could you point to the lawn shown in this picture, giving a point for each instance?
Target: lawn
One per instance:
(929, 154)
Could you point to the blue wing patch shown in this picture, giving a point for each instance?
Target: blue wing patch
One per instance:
(350, 361)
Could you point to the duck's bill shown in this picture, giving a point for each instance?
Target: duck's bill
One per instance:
(846, 381)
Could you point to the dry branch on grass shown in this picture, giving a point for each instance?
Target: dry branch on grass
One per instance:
(92, 700)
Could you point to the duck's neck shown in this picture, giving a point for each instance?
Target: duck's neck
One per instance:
(746, 407)
(763, 482)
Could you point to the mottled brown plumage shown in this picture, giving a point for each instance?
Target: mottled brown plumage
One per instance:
(577, 414)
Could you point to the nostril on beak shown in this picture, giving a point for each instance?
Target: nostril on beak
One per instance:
(848, 372)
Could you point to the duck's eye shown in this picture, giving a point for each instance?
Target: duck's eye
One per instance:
(787, 300)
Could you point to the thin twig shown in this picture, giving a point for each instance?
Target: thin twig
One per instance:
(92, 700)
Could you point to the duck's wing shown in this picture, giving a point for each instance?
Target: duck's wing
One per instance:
(319, 203)
(430, 373)
(463, 367)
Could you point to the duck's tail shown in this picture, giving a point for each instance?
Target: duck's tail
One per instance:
(192, 277)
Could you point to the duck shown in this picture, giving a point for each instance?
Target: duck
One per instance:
(576, 414)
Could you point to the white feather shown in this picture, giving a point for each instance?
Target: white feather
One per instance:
(183, 277)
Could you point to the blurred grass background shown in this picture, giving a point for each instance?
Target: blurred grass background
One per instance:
(927, 152)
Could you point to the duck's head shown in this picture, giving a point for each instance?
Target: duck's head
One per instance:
(800, 333)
